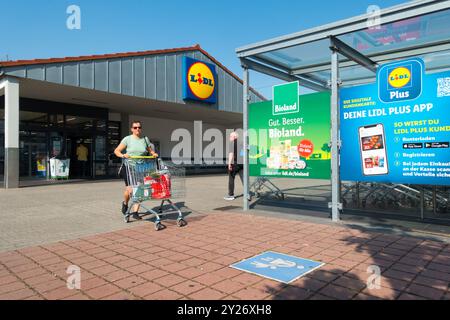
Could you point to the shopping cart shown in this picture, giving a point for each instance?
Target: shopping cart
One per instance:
(151, 179)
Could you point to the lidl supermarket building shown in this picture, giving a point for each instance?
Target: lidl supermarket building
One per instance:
(49, 106)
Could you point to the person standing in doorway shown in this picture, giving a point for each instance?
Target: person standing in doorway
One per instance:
(235, 167)
(82, 158)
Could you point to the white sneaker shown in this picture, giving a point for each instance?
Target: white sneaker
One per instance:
(229, 198)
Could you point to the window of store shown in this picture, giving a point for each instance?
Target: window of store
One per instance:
(50, 129)
(114, 138)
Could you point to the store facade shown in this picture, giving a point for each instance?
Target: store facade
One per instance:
(48, 108)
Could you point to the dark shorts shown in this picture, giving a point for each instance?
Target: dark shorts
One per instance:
(124, 174)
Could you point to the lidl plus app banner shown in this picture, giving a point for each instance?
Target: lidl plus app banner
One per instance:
(398, 129)
(289, 136)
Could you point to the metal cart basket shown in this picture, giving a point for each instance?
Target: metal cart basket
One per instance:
(151, 179)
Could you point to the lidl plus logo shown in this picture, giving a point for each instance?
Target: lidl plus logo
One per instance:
(400, 81)
(199, 80)
(286, 98)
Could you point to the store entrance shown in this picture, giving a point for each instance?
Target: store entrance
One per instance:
(80, 152)
(33, 155)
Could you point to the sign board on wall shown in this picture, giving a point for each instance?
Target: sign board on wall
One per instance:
(289, 136)
(199, 81)
(398, 129)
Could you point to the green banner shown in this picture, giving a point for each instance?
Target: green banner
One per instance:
(289, 137)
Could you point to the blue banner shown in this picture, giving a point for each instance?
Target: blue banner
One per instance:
(278, 266)
(398, 129)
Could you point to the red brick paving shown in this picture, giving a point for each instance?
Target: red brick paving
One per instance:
(193, 263)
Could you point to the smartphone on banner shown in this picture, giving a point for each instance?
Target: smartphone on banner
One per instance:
(373, 150)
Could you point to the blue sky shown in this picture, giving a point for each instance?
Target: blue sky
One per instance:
(37, 29)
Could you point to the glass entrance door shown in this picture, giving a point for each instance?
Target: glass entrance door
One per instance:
(33, 155)
(100, 157)
(80, 152)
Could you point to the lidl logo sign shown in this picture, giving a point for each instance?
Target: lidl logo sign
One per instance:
(399, 77)
(286, 98)
(199, 80)
(400, 81)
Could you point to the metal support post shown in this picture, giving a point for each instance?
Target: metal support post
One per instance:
(246, 99)
(335, 204)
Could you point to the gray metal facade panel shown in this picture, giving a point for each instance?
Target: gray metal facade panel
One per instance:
(127, 77)
(220, 89)
(114, 76)
(252, 97)
(224, 86)
(179, 80)
(161, 89)
(228, 92)
(171, 84)
(15, 71)
(87, 75)
(101, 75)
(150, 77)
(234, 95)
(240, 97)
(153, 77)
(53, 73)
(139, 77)
(70, 74)
(202, 57)
(35, 72)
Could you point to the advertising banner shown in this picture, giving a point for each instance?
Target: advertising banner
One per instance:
(398, 129)
(289, 136)
(59, 168)
(41, 166)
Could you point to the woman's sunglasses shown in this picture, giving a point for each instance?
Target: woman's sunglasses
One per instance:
(137, 127)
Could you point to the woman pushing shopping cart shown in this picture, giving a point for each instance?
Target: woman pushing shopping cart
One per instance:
(147, 178)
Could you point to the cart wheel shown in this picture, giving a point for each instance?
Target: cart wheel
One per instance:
(181, 223)
(158, 226)
(126, 218)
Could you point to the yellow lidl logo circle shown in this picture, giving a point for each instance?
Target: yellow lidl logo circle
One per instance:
(201, 80)
(399, 77)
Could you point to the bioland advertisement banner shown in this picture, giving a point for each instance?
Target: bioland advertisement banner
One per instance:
(289, 136)
(398, 129)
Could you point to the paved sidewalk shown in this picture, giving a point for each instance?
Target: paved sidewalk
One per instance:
(46, 214)
(193, 263)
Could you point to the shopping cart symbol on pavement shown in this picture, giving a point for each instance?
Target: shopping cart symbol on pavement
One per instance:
(277, 266)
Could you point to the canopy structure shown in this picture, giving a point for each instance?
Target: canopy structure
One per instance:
(348, 53)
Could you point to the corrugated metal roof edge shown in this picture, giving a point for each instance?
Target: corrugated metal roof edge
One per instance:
(197, 47)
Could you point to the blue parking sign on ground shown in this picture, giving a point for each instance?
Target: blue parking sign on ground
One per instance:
(277, 266)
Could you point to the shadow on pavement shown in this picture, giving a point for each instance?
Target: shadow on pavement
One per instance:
(411, 268)
(169, 214)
